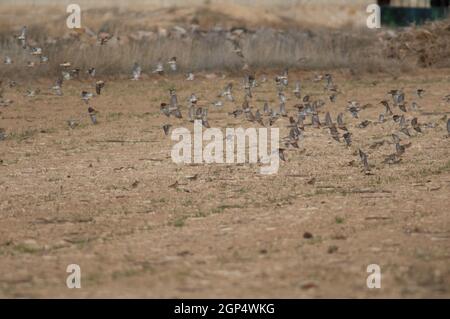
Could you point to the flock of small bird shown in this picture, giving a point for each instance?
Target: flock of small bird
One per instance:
(307, 114)
(306, 107)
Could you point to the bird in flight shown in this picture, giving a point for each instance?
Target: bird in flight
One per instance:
(136, 71)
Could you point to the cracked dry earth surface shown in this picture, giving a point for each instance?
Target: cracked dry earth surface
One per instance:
(109, 198)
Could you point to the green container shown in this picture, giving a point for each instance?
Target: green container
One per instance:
(401, 16)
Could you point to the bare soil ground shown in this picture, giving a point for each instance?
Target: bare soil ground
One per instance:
(99, 196)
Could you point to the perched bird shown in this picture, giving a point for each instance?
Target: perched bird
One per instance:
(7, 60)
(173, 63)
(99, 85)
(166, 128)
(136, 71)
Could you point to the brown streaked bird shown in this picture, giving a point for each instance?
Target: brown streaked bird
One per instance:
(99, 85)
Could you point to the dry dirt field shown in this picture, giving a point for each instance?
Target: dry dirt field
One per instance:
(103, 197)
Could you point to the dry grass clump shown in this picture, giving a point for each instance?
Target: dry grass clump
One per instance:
(425, 46)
